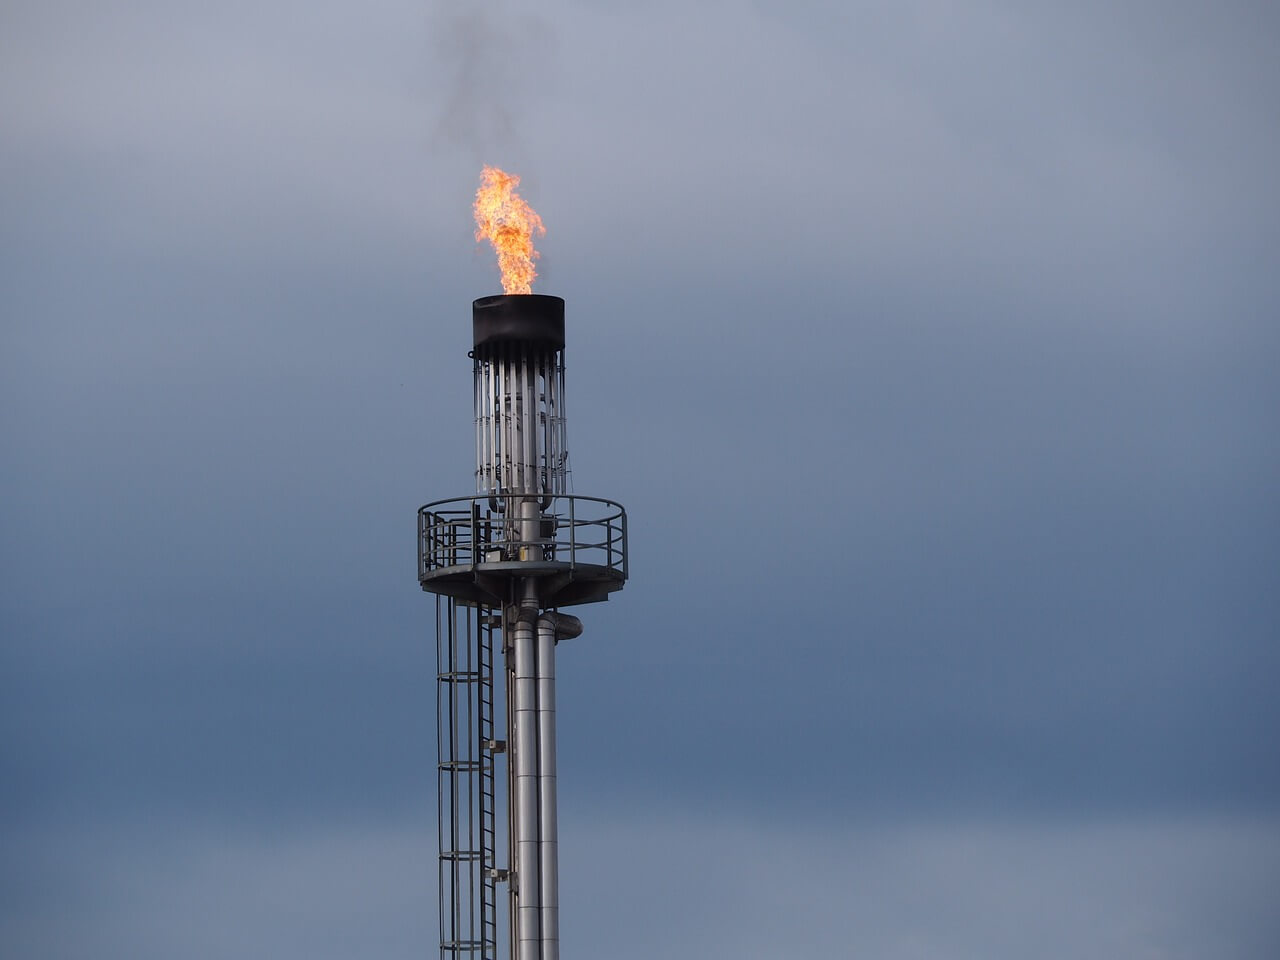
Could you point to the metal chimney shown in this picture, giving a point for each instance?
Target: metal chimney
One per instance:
(501, 564)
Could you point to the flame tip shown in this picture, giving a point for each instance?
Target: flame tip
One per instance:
(509, 224)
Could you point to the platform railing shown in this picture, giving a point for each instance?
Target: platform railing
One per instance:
(571, 530)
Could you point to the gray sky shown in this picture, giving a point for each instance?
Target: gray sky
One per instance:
(932, 350)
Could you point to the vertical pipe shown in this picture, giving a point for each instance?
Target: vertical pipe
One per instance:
(562, 437)
(562, 440)
(549, 843)
(549, 406)
(504, 405)
(512, 368)
(527, 901)
(553, 448)
(499, 423)
(530, 361)
(527, 423)
(549, 427)
(517, 474)
(491, 439)
(517, 423)
(482, 426)
(486, 404)
(543, 439)
(489, 410)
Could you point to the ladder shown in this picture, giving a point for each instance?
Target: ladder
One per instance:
(465, 747)
(489, 874)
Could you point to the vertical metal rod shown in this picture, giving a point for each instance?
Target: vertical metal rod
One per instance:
(486, 398)
(517, 419)
(503, 425)
(553, 448)
(483, 408)
(521, 480)
(562, 440)
(504, 437)
(486, 373)
(477, 399)
(529, 430)
(495, 405)
(544, 430)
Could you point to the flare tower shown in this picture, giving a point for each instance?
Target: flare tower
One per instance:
(502, 564)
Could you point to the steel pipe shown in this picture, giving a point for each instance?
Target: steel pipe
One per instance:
(526, 891)
(548, 831)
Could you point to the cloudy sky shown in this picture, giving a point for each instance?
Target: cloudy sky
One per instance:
(931, 347)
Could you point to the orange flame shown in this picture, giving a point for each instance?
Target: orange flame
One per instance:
(507, 222)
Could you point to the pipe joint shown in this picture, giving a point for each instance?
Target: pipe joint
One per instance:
(565, 625)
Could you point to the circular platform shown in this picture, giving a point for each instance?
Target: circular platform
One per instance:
(470, 548)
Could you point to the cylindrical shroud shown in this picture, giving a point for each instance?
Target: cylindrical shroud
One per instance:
(518, 365)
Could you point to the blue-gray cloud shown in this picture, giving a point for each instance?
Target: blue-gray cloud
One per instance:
(932, 353)
(1172, 889)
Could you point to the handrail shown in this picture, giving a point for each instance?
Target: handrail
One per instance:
(573, 531)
